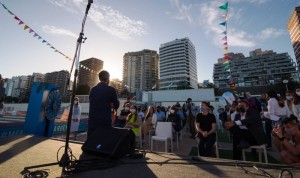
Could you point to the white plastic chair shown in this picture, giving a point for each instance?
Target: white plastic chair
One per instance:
(163, 132)
(259, 148)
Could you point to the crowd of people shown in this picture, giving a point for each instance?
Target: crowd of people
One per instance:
(270, 120)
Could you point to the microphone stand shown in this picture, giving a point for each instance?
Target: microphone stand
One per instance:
(65, 159)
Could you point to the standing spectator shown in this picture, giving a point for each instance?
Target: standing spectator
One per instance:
(287, 140)
(289, 96)
(263, 102)
(277, 110)
(75, 118)
(147, 125)
(175, 119)
(102, 97)
(191, 111)
(160, 115)
(206, 128)
(140, 113)
(297, 102)
(133, 121)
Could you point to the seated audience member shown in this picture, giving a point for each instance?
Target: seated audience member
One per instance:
(206, 128)
(175, 119)
(287, 140)
(247, 129)
(133, 121)
(123, 116)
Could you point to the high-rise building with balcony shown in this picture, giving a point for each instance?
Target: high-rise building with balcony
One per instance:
(294, 30)
(59, 79)
(263, 69)
(177, 65)
(88, 74)
(140, 70)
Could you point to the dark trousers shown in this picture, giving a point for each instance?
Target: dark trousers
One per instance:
(268, 128)
(238, 136)
(205, 145)
(191, 121)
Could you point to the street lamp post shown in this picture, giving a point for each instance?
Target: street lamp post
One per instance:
(286, 82)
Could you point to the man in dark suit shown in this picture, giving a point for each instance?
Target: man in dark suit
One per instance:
(247, 129)
(103, 99)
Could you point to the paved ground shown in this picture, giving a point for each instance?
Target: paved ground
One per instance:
(185, 145)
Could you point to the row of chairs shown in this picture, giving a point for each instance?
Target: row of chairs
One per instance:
(164, 132)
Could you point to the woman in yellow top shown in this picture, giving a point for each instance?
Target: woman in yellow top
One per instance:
(133, 121)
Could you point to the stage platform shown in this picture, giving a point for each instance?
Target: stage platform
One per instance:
(27, 150)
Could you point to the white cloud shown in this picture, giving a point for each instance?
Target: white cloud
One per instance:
(57, 31)
(106, 18)
(115, 23)
(210, 17)
(184, 11)
(270, 33)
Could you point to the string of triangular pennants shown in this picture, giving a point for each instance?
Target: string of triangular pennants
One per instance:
(227, 67)
(35, 34)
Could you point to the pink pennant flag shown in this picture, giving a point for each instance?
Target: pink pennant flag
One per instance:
(35, 34)
(30, 31)
(225, 43)
(21, 22)
(26, 27)
(17, 18)
(228, 70)
(224, 38)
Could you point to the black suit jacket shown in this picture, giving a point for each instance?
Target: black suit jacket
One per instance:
(101, 97)
(254, 124)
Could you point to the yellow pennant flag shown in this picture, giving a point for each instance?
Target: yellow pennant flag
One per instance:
(226, 48)
(26, 27)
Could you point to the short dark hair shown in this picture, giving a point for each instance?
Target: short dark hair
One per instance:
(292, 119)
(103, 75)
(243, 101)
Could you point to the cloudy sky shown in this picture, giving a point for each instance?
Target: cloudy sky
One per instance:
(114, 27)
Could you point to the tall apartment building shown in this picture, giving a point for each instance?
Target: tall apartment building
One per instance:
(177, 64)
(17, 86)
(263, 69)
(294, 30)
(59, 79)
(140, 70)
(87, 77)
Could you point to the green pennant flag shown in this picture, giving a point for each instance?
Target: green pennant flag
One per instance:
(223, 23)
(226, 67)
(224, 6)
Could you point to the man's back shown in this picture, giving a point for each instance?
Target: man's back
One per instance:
(102, 99)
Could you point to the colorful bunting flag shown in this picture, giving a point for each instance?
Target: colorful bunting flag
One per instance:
(225, 32)
(39, 37)
(223, 23)
(224, 6)
(17, 18)
(26, 27)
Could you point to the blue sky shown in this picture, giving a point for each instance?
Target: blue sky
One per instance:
(115, 27)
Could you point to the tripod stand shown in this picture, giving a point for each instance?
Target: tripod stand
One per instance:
(65, 159)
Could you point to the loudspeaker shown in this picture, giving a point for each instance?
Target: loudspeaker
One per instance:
(109, 142)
